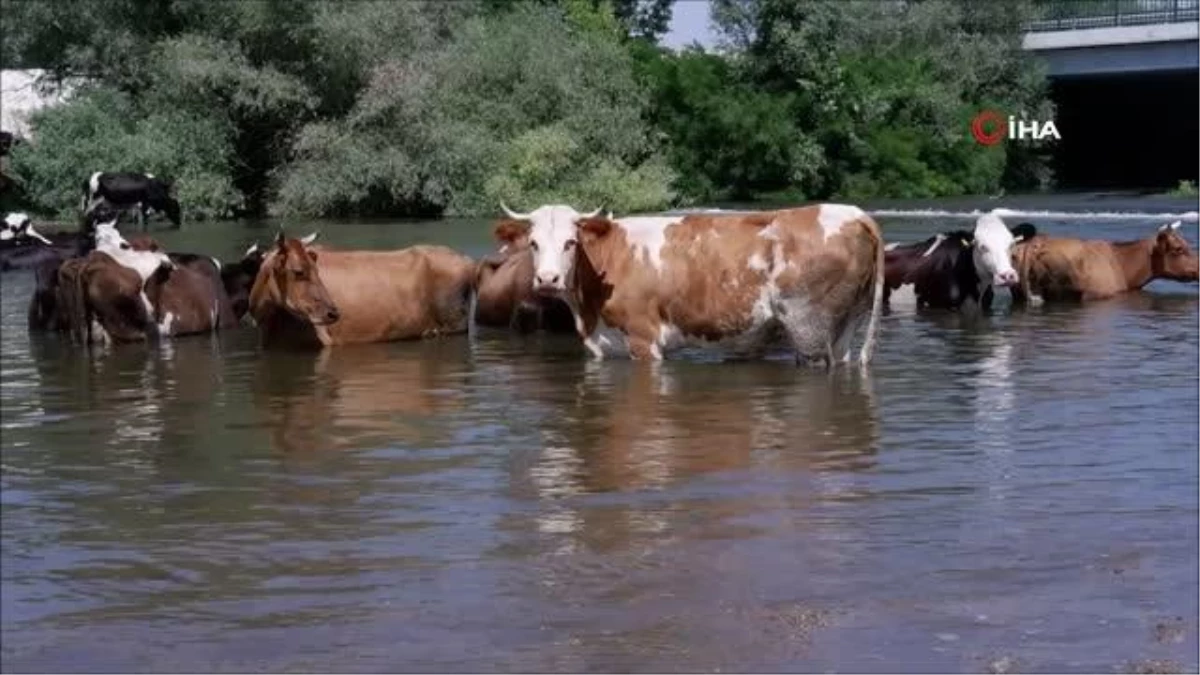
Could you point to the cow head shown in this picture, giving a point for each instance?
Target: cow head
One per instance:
(298, 286)
(17, 226)
(992, 249)
(553, 233)
(1172, 258)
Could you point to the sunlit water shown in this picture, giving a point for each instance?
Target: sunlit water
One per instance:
(1018, 491)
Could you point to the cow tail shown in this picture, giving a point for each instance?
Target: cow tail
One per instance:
(868, 347)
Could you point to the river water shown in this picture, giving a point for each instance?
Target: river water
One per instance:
(1017, 492)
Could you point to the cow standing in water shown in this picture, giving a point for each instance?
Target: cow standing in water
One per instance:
(318, 297)
(504, 288)
(1074, 270)
(124, 190)
(809, 277)
(955, 269)
(102, 295)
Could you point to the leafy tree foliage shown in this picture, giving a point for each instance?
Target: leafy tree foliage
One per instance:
(381, 107)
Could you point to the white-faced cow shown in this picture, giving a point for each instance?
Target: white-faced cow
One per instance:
(126, 190)
(955, 268)
(806, 278)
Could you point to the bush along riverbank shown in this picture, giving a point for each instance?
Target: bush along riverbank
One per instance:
(445, 108)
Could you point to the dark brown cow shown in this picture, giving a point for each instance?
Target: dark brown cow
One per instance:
(1064, 269)
(504, 289)
(102, 300)
(188, 298)
(813, 275)
(314, 297)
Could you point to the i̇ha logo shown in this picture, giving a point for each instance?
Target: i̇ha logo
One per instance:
(990, 127)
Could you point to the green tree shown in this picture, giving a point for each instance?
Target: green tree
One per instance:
(523, 104)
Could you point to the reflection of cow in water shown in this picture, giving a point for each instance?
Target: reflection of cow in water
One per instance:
(358, 397)
(650, 426)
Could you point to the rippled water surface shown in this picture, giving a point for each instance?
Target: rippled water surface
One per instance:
(1018, 491)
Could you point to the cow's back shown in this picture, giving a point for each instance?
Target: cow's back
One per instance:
(720, 273)
(1063, 268)
(396, 295)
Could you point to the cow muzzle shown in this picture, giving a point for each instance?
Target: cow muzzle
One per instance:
(549, 284)
(1006, 278)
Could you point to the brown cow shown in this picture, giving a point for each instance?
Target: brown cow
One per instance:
(504, 289)
(315, 297)
(1063, 269)
(189, 298)
(811, 274)
(102, 295)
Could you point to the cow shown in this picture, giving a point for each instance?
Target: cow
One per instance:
(806, 277)
(188, 297)
(23, 247)
(238, 278)
(102, 295)
(1060, 269)
(504, 290)
(956, 269)
(318, 297)
(126, 189)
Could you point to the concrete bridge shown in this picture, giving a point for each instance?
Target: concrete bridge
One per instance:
(1113, 37)
(1124, 78)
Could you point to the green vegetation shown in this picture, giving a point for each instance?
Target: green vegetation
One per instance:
(1186, 188)
(430, 107)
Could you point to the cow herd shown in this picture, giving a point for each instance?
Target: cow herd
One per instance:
(808, 279)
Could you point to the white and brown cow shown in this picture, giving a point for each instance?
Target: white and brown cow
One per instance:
(807, 278)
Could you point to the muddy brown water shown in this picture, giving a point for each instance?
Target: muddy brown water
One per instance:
(1014, 492)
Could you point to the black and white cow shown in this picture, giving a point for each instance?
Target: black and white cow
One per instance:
(23, 247)
(125, 190)
(953, 268)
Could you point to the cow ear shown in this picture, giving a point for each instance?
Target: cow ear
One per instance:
(1024, 232)
(280, 240)
(509, 231)
(312, 255)
(594, 228)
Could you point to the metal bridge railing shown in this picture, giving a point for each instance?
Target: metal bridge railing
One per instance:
(1078, 14)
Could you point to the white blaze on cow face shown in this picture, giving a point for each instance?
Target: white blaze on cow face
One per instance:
(552, 239)
(992, 251)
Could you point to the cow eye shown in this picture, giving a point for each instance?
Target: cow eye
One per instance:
(300, 274)
(570, 243)
(124, 246)
(533, 245)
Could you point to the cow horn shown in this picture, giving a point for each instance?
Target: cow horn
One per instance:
(513, 214)
(280, 238)
(310, 238)
(35, 234)
(1173, 226)
(252, 250)
(593, 214)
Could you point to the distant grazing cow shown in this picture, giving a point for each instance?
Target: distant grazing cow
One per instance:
(808, 277)
(1073, 270)
(504, 290)
(953, 268)
(126, 190)
(102, 295)
(321, 297)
